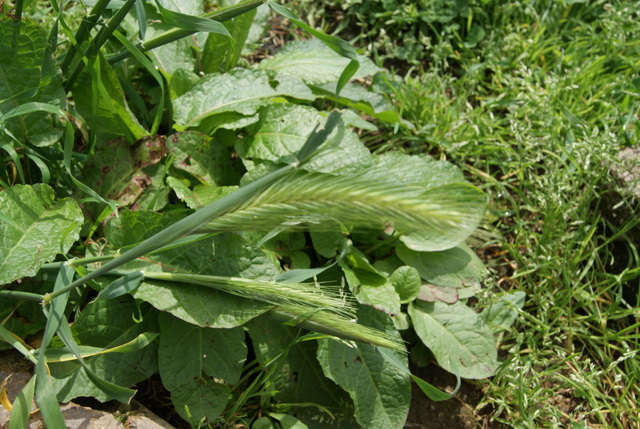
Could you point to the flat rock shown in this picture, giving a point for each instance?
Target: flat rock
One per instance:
(621, 204)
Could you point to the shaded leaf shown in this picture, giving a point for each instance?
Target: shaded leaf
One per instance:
(208, 159)
(197, 365)
(108, 324)
(108, 112)
(298, 377)
(381, 392)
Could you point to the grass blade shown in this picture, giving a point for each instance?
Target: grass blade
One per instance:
(22, 406)
(45, 393)
(220, 15)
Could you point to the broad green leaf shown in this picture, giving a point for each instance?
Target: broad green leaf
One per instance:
(446, 184)
(369, 286)
(106, 325)
(197, 365)
(283, 129)
(406, 281)
(431, 391)
(381, 392)
(337, 45)
(189, 352)
(199, 305)
(501, 315)
(458, 338)
(34, 228)
(224, 255)
(181, 81)
(237, 94)
(314, 63)
(297, 376)
(457, 267)
(200, 196)
(99, 98)
(132, 227)
(221, 53)
(208, 159)
(419, 169)
(28, 73)
(205, 398)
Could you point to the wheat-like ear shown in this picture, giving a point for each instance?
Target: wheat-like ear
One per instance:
(358, 200)
(337, 326)
(299, 295)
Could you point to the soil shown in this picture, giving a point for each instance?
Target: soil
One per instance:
(459, 412)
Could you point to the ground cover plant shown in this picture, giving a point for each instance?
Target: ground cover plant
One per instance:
(535, 112)
(167, 208)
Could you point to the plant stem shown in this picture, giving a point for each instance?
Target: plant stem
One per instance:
(17, 294)
(85, 26)
(100, 39)
(221, 15)
(53, 266)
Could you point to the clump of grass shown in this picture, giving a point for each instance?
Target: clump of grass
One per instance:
(536, 113)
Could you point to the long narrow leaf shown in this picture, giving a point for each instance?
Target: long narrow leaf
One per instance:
(220, 15)
(22, 406)
(148, 65)
(45, 393)
(63, 354)
(114, 391)
(191, 22)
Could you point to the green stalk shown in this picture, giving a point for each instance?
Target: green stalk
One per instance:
(16, 294)
(86, 25)
(221, 15)
(100, 39)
